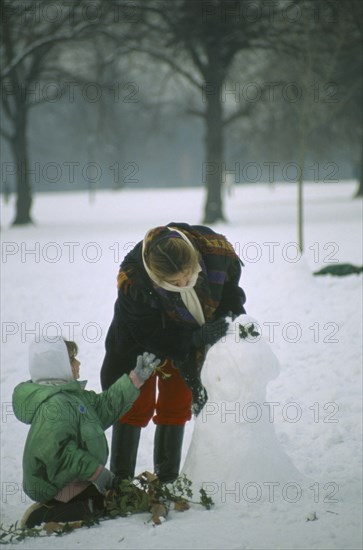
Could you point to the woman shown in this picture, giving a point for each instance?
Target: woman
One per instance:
(66, 448)
(174, 290)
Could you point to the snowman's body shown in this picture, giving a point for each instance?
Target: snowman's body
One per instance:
(234, 440)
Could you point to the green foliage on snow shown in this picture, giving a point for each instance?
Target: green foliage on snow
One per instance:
(339, 270)
(144, 493)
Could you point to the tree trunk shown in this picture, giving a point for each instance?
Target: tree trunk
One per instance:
(214, 155)
(20, 155)
(300, 198)
(359, 192)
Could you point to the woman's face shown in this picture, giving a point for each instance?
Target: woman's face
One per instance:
(179, 279)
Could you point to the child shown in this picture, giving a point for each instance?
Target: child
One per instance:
(66, 448)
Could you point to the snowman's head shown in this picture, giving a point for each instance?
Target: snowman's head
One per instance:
(238, 368)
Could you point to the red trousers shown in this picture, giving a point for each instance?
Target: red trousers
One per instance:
(171, 404)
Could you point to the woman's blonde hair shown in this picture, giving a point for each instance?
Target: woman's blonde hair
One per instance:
(171, 256)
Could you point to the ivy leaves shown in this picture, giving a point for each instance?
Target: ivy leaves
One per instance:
(161, 497)
(144, 493)
(16, 533)
(246, 331)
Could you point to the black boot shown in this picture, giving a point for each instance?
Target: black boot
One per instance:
(60, 512)
(168, 443)
(124, 446)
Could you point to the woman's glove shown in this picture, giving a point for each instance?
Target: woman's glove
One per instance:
(145, 365)
(103, 481)
(232, 315)
(199, 397)
(191, 375)
(210, 333)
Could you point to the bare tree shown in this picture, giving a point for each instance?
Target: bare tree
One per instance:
(317, 104)
(29, 36)
(326, 45)
(199, 40)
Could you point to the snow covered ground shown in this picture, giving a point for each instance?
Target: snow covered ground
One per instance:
(59, 277)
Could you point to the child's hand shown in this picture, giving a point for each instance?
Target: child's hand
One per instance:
(103, 481)
(145, 365)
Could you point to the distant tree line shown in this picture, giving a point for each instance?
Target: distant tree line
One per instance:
(282, 77)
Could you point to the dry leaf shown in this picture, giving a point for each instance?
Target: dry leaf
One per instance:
(54, 527)
(148, 476)
(156, 520)
(158, 511)
(181, 505)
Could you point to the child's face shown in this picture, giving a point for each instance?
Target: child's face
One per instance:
(75, 364)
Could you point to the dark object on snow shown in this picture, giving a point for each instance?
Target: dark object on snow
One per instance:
(339, 270)
(82, 507)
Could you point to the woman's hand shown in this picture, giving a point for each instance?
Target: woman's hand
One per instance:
(210, 333)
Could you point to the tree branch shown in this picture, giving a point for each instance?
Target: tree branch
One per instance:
(41, 42)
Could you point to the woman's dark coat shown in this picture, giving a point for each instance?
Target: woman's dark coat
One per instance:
(148, 318)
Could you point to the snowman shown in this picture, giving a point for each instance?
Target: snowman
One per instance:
(234, 444)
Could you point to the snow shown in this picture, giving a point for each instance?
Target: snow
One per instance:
(267, 478)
